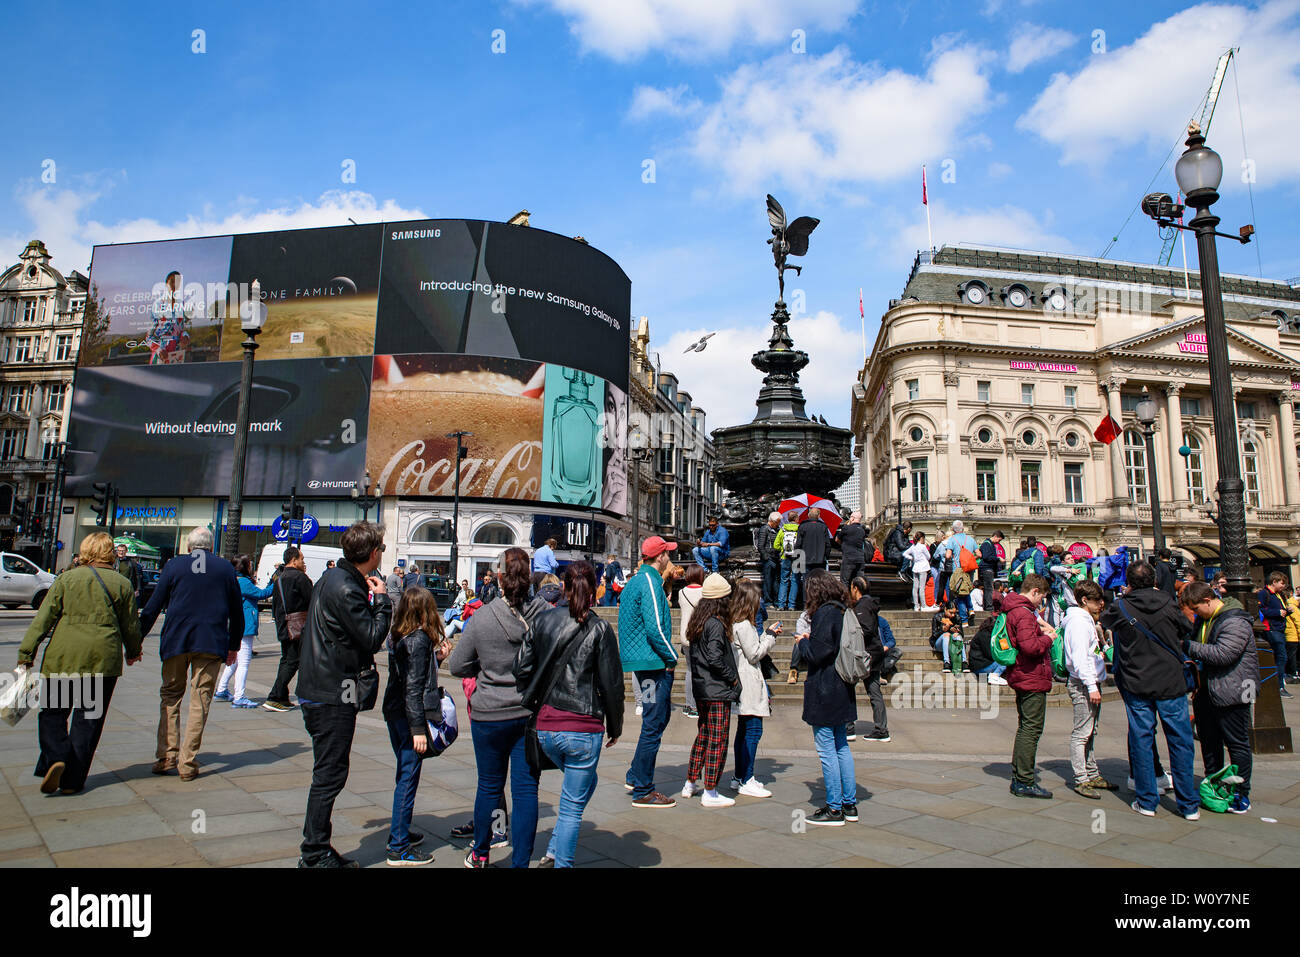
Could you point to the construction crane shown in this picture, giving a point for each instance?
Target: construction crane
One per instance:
(1207, 116)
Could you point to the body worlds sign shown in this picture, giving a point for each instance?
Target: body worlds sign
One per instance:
(1025, 366)
(1194, 342)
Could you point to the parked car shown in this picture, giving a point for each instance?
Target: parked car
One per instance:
(21, 582)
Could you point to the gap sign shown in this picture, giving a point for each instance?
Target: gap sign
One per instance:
(310, 528)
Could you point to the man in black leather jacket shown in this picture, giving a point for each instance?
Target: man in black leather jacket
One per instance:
(343, 632)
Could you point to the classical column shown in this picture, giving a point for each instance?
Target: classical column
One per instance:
(1177, 464)
(32, 450)
(951, 456)
(1118, 485)
(1286, 436)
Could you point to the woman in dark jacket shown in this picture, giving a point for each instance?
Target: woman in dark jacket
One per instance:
(570, 674)
(414, 649)
(717, 688)
(867, 608)
(828, 700)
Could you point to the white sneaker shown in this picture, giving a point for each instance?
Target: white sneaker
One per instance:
(997, 679)
(1141, 810)
(1194, 816)
(689, 789)
(638, 711)
(1166, 784)
(752, 788)
(716, 800)
(735, 784)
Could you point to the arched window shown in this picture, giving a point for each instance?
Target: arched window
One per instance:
(1250, 473)
(1135, 466)
(1195, 469)
(494, 533)
(436, 532)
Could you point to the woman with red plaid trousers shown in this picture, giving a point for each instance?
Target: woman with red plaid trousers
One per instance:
(717, 688)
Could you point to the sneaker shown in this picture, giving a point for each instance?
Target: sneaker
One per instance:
(243, 703)
(827, 817)
(850, 811)
(472, 861)
(654, 800)
(1101, 784)
(409, 858)
(499, 840)
(225, 696)
(52, 777)
(638, 711)
(1141, 810)
(997, 679)
(1194, 816)
(753, 789)
(947, 669)
(794, 677)
(1284, 693)
(277, 706)
(1165, 784)
(332, 860)
(718, 800)
(851, 731)
(546, 861)
(689, 789)
(735, 784)
(1086, 790)
(415, 838)
(878, 736)
(1029, 791)
(463, 831)
(1240, 805)
(628, 787)
(690, 713)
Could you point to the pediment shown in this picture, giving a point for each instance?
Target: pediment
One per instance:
(1186, 340)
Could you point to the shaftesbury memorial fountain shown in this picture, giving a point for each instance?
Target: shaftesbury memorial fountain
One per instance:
(782, 452)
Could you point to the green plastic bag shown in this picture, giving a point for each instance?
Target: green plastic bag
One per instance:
(1004, 652)
(1219, 789)
(956, 654)
(1059, 671)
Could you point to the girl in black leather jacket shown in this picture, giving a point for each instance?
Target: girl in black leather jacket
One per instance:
(717, 688)
(415, 647)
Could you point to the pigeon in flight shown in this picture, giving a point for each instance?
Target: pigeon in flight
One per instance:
(699, 346)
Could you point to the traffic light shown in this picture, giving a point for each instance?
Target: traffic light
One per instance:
(102, 503)
(462, 451)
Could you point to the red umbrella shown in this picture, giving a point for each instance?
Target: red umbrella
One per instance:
(794, 509)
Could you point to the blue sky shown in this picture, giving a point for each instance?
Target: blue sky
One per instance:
(1049, 132)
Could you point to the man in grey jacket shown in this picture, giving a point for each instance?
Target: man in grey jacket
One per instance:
(1224, 644)
(769, 558)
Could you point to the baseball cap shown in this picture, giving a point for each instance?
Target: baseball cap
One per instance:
(654, 546)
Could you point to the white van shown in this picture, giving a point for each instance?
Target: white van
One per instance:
(21, 582)
(315, 555)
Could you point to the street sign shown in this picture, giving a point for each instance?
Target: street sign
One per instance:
(69, 509)
(308, 528)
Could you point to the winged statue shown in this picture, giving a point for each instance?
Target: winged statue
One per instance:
(787, 239)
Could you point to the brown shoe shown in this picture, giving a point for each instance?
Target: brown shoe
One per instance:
(190, 775)
(163, 767)
(52, 778)
(1101, 784)
(794, 677)
(1088, 791)
(654, 800)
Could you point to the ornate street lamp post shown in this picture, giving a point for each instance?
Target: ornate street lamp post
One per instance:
(252, 316)
(1146, 416)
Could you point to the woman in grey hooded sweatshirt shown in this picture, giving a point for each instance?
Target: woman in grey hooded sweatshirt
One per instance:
(486, 651)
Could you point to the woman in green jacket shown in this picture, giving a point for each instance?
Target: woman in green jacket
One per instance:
(89, 618)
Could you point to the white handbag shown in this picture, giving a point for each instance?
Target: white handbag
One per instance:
(21, 693)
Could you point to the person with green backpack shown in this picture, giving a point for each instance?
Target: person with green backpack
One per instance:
(1085, 663)
(787, 595)
(1030, 676)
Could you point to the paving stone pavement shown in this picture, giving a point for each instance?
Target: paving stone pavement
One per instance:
(935, 796)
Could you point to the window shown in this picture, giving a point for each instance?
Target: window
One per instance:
(1074, 483)
(1072, 439)
(41, 503)
(1029, 436)
(49, 444)
(1250, 473)
(1189, 406)
(19, 398)
(1071, 396)
(920, 479)
(986, 480)
(983, 390)
(1247, 410)
(1195, 464)
(985, 435)
(916, 435)
(11, 443)
(435, 531)
(1128, 401)
(1029, 481)
(22, 350)
(62, 348)
(55, 393)
(1135, 466)
(494, 533)
(30, 310)
(913, 389)
(17, 565)
(1027, 393)
(666, 461)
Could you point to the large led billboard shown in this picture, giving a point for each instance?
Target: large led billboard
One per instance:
(378, 341)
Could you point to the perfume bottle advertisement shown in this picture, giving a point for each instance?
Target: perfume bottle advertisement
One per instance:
(573, 420)
(417, 400)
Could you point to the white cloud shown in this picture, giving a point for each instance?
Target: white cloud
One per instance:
(57, 217)
(1031, 43)
(724, 384)
(1143, 94)
(1009, 226)
(811, 122)
(998, 170)
(691, 28)
(650, 101)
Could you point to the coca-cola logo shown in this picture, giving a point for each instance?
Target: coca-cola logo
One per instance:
(517, 474)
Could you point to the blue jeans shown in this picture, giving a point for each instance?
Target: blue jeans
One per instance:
(576, 753)
(993, 669)
(749, 730)
(707, 558)
(498, 744)
(942, 646)
(408, 779)
(1142, 714)
(787, 595)
(655, 692)
(837, 766)
(963, 607)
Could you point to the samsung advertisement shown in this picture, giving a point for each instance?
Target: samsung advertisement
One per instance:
(379, 340)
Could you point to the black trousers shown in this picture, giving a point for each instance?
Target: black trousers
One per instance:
(289, 652)
(850, 569)
(1292, 654)
(771, 581)
(331, 727)
(986, 583)
(1220, 728)
(70, 723)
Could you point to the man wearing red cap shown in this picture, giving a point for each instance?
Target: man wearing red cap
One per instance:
(645, 627)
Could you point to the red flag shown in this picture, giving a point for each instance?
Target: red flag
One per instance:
(861, 311)
(925, 198)
(1108, 431)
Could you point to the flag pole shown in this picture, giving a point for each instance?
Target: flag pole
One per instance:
(862, 314)
(925, 201)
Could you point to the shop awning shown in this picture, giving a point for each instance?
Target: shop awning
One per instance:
(1261, 553)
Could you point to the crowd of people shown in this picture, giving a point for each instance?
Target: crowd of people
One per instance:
(543, 674)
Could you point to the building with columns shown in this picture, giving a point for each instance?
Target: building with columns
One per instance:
(41, 314)
(992, 371)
